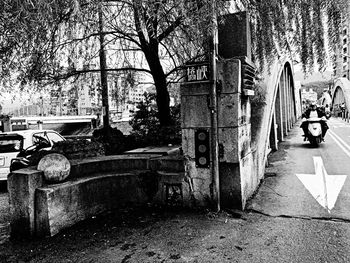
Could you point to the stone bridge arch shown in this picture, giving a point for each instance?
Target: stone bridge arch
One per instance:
(282, 109)
(341, 95)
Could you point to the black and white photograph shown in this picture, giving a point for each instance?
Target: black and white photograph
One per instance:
(174, 131)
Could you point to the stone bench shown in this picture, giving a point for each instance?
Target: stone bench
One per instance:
(94, 185)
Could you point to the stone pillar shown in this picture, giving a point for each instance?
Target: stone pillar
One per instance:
(294, 101)
(6, 122)
(273, 134)
(283, 93)
(235, 136)
(195, 99)
(236, 168)
(289, 103)
(234, 128)
(278, 111)
(40, 124)
(21, 188)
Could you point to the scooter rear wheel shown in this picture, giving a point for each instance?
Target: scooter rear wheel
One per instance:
(315, 141)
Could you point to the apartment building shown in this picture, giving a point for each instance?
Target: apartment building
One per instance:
(341, 66)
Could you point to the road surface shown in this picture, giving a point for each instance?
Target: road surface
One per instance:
(309, 181)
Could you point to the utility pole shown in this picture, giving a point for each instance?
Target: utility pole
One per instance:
(214, 113)
(103, 66)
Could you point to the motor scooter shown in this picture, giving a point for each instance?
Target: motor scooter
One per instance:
(314, 134)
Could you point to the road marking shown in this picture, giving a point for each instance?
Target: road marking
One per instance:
(340, 125)
(323, 187)
(341, 143)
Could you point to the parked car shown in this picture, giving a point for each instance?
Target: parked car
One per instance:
(12, 143)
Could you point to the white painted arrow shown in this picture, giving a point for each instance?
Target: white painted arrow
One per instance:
(323, 187)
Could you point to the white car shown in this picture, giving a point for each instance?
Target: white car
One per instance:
(11, 143)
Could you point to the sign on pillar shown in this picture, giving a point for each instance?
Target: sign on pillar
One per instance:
(198, 72)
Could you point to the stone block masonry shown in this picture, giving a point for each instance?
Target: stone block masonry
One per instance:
(95, 185)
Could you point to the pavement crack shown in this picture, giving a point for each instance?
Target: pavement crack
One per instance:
(321, 218)
(274, 191)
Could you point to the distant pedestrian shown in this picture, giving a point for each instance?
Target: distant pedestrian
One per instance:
(342, 106)
(327, 108)
(342, 109)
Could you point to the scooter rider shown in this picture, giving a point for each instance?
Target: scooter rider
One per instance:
(313, 112)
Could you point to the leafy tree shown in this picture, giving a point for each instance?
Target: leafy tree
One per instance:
(58, 39)
(53, 40)
(146, 125)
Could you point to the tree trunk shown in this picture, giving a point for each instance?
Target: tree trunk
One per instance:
(162, 97)
(103, 66)
(150, 47)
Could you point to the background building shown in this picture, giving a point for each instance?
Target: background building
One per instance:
(341, 66)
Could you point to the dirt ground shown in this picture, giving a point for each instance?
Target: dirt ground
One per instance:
(141, 234)
(151, 234)
(156, 235)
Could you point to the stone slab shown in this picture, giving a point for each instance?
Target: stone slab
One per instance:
(229, 110)
(230, 185)
(62, 205)
(195, 111)
(249, 178)
(116, 163)
(235, 142)
(188, 146)
(229, 73)
(195, 89)
(21, 187)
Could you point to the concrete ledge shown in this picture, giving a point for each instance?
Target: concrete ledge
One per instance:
(63, 205)
(167, 163)
(95, 185)
(124, 163)
(102, 164)
(21, 187)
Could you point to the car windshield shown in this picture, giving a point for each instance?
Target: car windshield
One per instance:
(41, 138)
(11, 144)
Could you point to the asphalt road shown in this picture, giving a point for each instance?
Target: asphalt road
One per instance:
(308, 181)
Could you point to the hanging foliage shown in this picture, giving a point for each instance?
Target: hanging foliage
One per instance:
(296, 26)
(49, 41)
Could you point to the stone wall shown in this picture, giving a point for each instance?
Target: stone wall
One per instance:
(94, 185)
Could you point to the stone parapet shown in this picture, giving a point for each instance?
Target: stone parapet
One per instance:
(62, 205)
(95, 185)
(21, 187)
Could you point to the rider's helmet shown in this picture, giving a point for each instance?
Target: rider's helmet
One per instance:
(313, 105)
